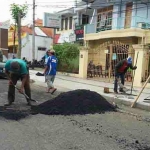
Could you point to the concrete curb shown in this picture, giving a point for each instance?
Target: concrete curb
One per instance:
(127, 103)
(124, 100)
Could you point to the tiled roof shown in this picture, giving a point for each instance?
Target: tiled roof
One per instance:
(26, 29)
(39, 23)
(48, 31)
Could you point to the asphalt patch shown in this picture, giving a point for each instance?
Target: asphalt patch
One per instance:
(74, 102)
(12, 114)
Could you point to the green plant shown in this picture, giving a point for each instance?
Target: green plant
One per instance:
(15, 9)
(129, 70)
(66, 54)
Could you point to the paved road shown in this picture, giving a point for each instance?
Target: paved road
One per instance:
(109, 131)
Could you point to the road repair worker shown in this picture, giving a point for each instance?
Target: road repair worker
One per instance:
(45, 57)
(50, 71)
(17, 69)
(120, 70)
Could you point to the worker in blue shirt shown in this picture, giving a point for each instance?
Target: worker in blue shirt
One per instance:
(50, 71)
(45, 57)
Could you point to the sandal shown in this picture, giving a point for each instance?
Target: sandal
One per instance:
(48, 91)
(53, 91)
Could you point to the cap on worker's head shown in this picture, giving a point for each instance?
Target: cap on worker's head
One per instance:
(52, 51)
(15, 66)
(129, 60)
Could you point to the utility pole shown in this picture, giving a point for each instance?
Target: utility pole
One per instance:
(76, 3)
(14, 39)
(33, 32)
(19, 35)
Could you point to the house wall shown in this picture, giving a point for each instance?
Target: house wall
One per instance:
(4, 41)
(39, 42)
(26, 50)
(119, 18)
(141, 14)
(97, 48)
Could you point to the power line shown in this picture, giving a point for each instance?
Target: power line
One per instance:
(113, 12)
(116, 12)
(100, 4)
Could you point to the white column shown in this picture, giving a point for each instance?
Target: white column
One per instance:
(141, 64)
(83, 63)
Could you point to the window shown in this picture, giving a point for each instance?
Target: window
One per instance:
(104, 18)
(41, 48)
(85, 19)
(62, 24)
(70, 23)
(66, 23)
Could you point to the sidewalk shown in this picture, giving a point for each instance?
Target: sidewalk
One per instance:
(71, 83)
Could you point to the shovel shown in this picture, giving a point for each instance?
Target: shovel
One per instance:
(124, 88)
(26, 96)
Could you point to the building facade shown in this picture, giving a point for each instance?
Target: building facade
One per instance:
(118, 29)
(42, 43)
(72, 24)
(113, 30)
(43, 40)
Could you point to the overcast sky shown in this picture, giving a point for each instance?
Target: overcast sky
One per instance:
(42, 6)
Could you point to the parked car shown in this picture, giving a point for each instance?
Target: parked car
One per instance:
(2, 65)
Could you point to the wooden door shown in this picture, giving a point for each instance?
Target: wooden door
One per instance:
(128, 15)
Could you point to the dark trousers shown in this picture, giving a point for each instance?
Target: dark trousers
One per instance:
(121, 76)
(11, 90)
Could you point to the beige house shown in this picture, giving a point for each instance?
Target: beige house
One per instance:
(118, 31)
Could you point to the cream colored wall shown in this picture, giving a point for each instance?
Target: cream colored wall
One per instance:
(122, 33)
(97, 53)
(97, 49)
(83, 62)
(142, 63)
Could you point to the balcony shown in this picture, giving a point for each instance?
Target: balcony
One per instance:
(116, 27)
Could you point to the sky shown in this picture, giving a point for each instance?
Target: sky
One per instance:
(50, 6)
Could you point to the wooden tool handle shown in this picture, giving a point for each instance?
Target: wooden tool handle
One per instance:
(140, 92)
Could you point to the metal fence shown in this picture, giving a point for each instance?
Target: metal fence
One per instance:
(106, 69)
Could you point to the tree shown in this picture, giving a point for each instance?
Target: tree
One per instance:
(18, 12)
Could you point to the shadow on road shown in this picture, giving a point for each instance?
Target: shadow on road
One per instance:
(12, 114)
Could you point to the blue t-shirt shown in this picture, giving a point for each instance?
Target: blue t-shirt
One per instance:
(22, 63)
(45, 57)
(52, 65)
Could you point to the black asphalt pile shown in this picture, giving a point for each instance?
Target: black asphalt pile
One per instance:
(74, 102)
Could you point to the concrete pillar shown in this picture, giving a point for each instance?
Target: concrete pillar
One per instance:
(141, 64)
(83, 62)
